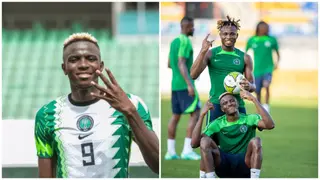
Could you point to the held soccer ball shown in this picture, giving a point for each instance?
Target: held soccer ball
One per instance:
(231, 82)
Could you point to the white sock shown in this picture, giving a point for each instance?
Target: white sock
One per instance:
(202, 174)
(171, 146)
(211, 175)
(255, 173)
(187, 146)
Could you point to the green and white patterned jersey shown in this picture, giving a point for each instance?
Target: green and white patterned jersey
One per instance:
(91, 141)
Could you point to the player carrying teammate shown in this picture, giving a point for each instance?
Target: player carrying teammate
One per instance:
(221, 61)
(239, 154)
(184, 97)
(263, 45)
(88, 133)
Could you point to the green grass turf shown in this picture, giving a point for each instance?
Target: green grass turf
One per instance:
(289, 151)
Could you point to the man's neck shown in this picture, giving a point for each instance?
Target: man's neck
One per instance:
(233, 117)
(83, 95)
(261, 34)
(230, 49)
(184, 33)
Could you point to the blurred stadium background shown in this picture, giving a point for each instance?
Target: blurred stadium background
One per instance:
(32, 41)
(291, 149)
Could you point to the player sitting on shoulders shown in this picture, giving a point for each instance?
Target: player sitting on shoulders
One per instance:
(239, 154)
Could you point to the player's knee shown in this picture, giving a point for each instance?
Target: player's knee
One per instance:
(256, 144)
(174, 119)
(205, 144)
(195, 115)
(266, 84)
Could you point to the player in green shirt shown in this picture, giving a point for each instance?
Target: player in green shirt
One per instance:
(88, 133)
(236, 152)
(184, 97)
(221, 61)
(263, 45)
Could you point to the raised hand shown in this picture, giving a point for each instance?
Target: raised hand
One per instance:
(244, 94)
(245, 84)
(207, 106)
(113, 93)
(206, 44)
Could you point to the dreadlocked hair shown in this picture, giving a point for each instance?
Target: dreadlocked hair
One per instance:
(229, 22)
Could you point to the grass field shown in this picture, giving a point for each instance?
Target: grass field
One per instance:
(289, 151)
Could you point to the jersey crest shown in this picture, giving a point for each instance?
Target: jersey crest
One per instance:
(85, 123)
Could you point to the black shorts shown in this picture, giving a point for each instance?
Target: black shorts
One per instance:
(182, 103)
(232, 166)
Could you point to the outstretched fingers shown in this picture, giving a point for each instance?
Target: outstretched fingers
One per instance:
(104, 79)
(111, 77)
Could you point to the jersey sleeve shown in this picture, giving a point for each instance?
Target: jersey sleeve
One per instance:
(143, 111)
(43, 138)
(184, 47)
(253, 119)
(211, 128)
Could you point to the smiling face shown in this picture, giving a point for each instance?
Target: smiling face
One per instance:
(229, 104)
(80, 61)
(228, 35)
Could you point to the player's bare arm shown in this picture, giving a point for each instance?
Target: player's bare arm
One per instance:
(278, 60)
(248, 83)
(196, 133)
(202, 59)
(146, 140)
(184, 72)
(46, 167)
(267, 121)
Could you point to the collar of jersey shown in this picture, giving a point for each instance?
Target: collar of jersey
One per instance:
(261, 38)
(232, 53)
(232, 123)
(86, 103)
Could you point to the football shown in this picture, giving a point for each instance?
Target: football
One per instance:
(231, 82)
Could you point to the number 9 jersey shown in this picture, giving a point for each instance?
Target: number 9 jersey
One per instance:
(89, 140)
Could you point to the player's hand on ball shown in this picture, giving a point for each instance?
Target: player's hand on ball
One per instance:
(207, 106)
(206, 44)
(245, 84)
(112, 93)
(246, 95)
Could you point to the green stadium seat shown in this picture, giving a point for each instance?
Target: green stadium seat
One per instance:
(32, 74)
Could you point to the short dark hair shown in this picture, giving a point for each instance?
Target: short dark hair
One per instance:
(229, 22)
(187, 19)
(260, 23)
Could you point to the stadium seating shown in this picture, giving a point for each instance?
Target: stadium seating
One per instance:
(32, 74)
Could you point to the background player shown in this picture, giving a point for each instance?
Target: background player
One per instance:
(222, 60)
(184, 98)
(239, 153)
(88, 133)
(263, 45)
